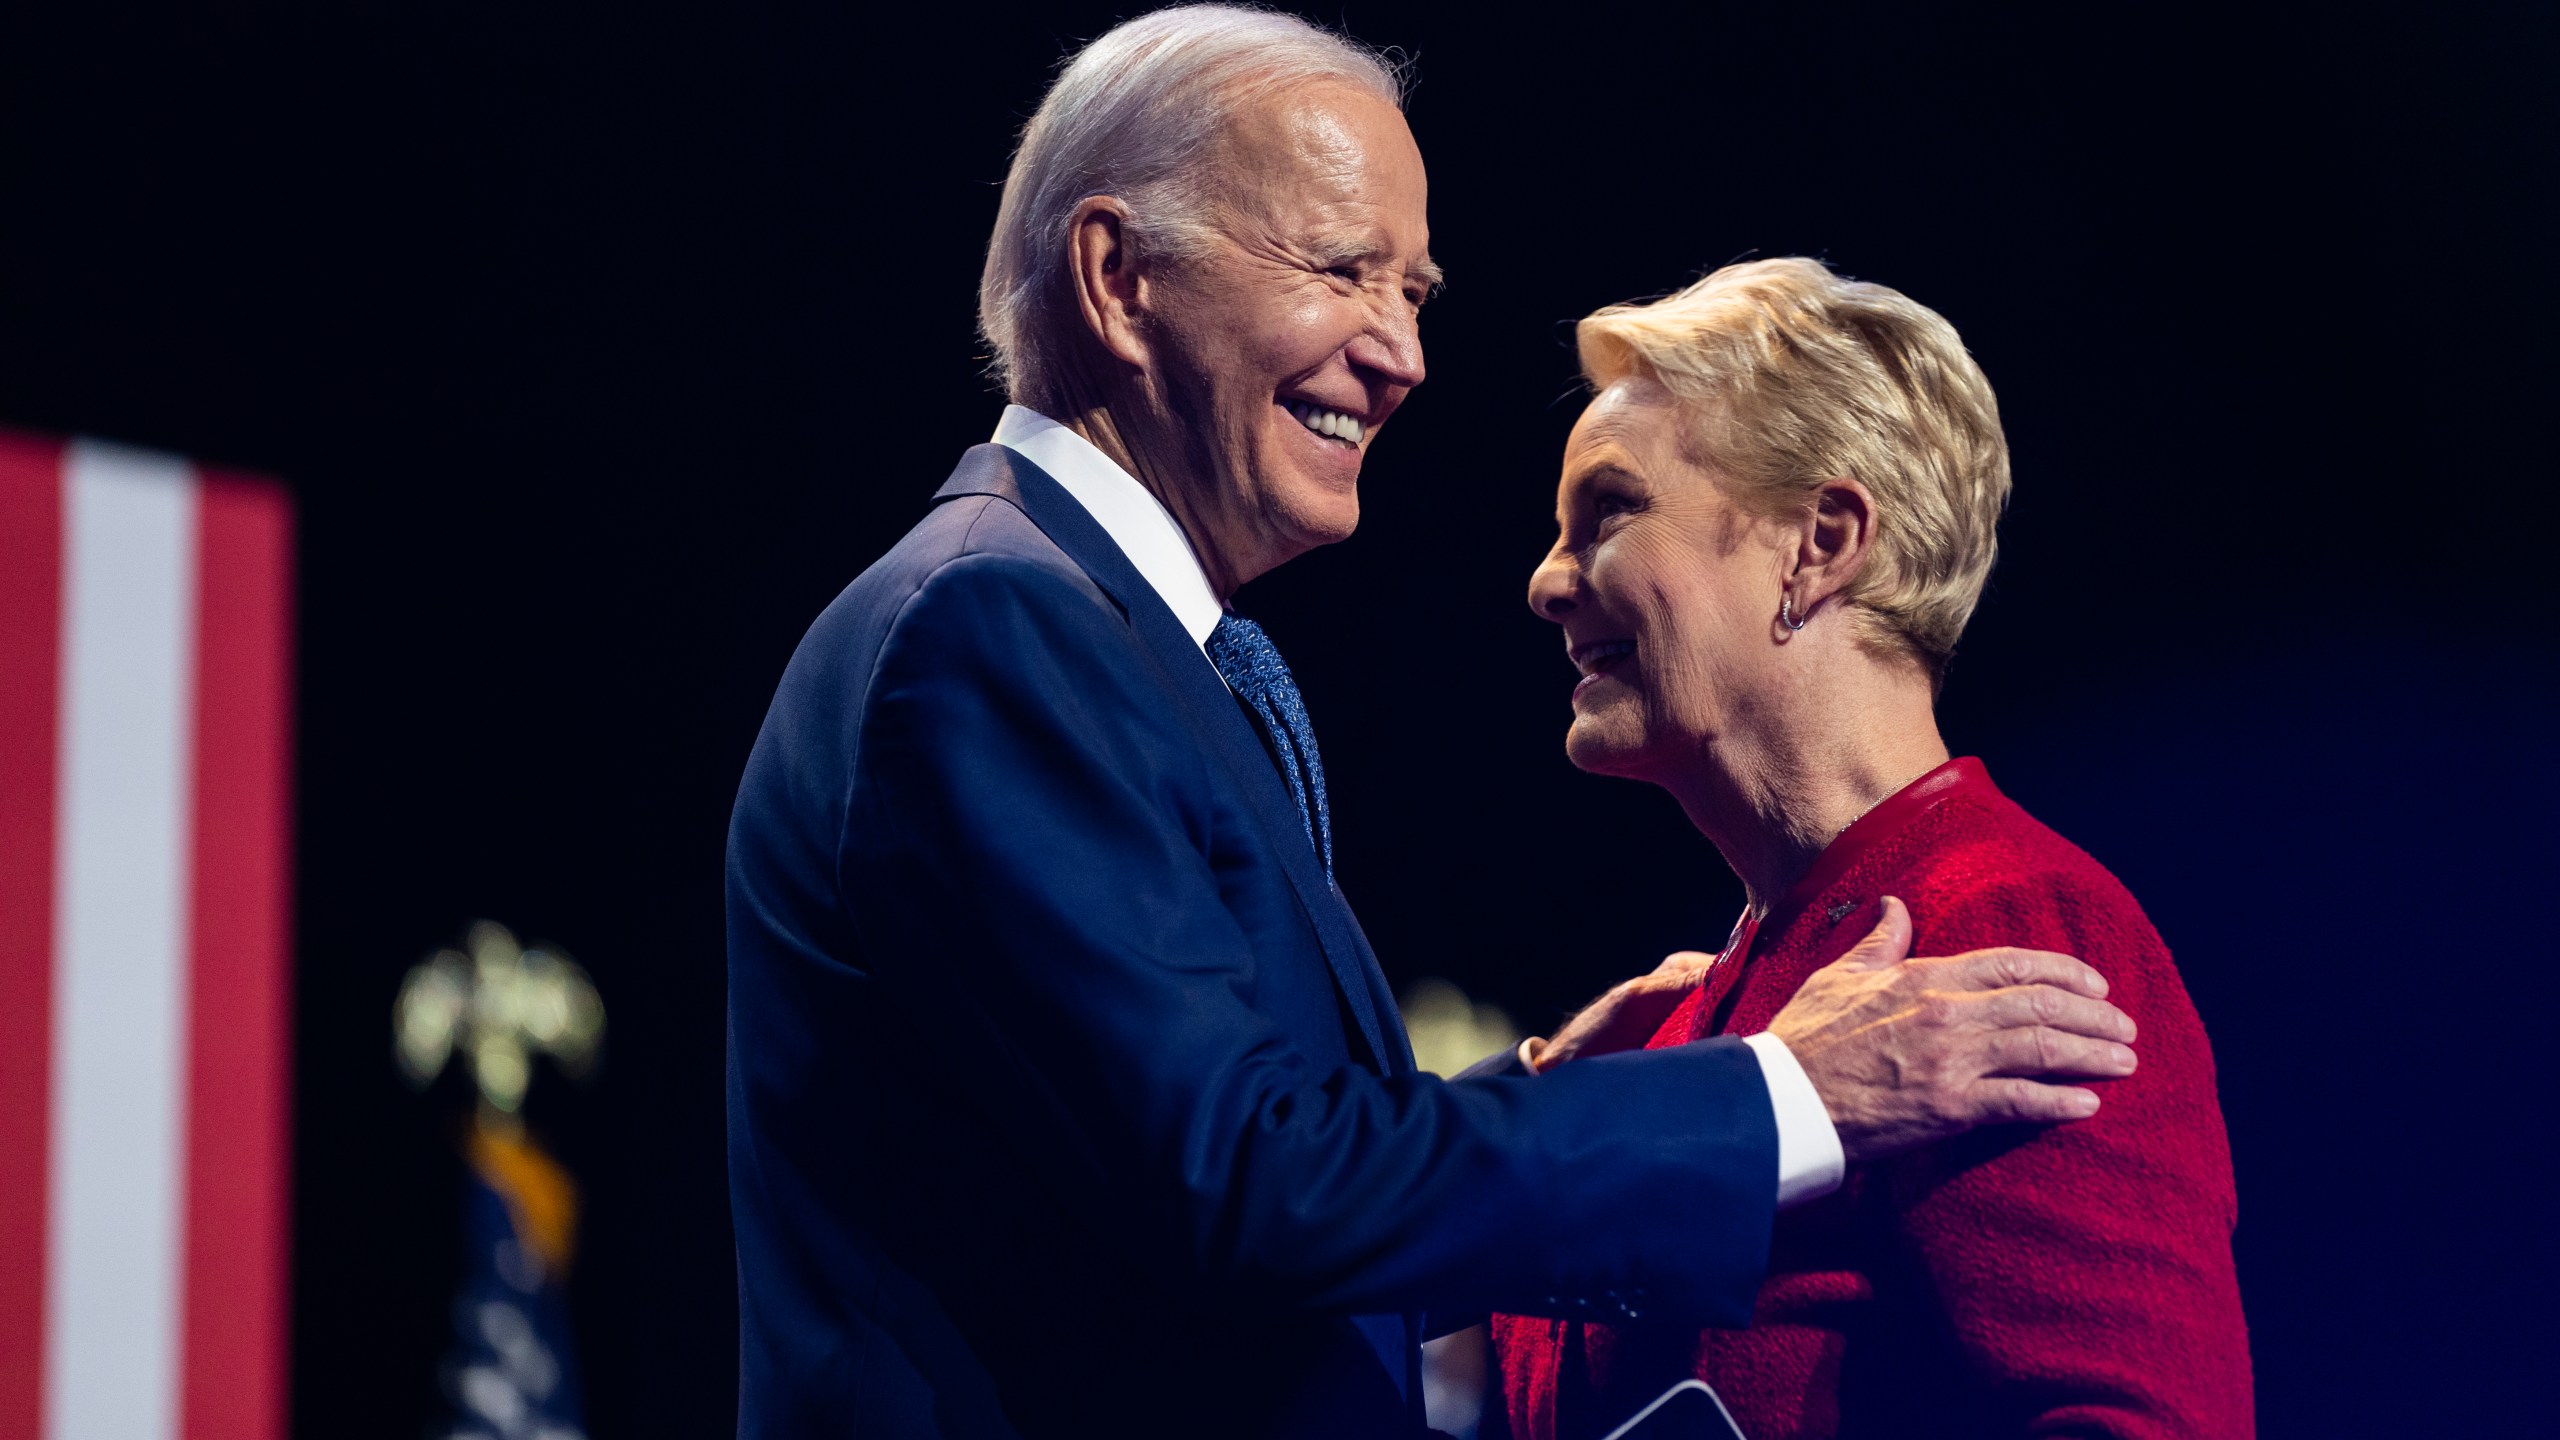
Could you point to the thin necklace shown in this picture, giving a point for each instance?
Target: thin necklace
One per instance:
(1861, 815)
(1762, 912)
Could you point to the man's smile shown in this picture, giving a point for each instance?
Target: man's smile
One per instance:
(1330, 423)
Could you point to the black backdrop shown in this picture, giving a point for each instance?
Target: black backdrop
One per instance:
(602, 349)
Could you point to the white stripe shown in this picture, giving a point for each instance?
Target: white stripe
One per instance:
(121, 956)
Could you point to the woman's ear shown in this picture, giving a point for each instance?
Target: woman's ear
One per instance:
(1111, 291)
(1832, 544)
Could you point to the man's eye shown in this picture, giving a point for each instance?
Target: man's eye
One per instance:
(1345, 274)
(1605, 506)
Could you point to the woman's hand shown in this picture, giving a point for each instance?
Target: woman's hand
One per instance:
(1907, 1051)
(1625, 1017)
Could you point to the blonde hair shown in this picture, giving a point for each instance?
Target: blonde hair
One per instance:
(1791, 376)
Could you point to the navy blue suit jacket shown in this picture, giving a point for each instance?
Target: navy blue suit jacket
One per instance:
(1065, 1095)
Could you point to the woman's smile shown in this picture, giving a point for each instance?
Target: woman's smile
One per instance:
(1598, 658)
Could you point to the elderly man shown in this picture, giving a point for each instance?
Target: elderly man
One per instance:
(1065, 1094)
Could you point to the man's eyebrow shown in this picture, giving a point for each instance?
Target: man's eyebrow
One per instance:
(1344, 247)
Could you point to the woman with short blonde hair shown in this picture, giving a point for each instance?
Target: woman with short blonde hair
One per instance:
(1775, 518)
(1787, 376)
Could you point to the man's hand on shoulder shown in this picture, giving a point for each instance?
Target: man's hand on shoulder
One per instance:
(1908, 1051)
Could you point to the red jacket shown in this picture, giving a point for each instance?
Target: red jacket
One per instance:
(2070, 1280)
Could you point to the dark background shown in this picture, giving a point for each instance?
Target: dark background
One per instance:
(602, 348)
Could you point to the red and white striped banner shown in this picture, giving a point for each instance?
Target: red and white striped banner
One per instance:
(144, 937)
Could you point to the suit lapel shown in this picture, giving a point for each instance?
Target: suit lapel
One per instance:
(1399, 1052)
(1225, 731)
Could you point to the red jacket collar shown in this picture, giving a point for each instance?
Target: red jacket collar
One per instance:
(1960, 776)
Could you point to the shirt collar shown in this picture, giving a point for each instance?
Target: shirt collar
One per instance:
(1127, 511)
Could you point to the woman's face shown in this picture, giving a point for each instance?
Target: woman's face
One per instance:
(1667, 591)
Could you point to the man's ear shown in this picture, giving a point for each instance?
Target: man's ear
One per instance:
(1111, 291)
(1833, 544)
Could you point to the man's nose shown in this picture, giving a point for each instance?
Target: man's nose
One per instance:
(1552, 584)
(1392, 346)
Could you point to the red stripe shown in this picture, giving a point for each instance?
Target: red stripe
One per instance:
(30, 676)
(232, 1334)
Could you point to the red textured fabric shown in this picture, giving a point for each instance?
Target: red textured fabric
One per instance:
(2073, 1280)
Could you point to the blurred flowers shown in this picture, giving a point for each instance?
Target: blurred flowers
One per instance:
(500, 1004)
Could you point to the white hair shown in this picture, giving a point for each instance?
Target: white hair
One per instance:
(1134, 115)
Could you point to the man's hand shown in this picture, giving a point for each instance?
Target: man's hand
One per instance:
(1904, 1052)
(1625, 1017)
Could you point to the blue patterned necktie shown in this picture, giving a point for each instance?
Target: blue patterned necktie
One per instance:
(1254, 670)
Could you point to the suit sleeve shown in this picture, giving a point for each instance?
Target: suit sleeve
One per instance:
(1026, 844)
(2085, 1269)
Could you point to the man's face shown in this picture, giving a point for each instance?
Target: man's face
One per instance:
(1283, 351)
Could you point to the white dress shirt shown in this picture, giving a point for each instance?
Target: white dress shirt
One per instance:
(1127, 511)
(1810, 1162)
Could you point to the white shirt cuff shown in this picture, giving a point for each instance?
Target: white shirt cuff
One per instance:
(1810, 1162)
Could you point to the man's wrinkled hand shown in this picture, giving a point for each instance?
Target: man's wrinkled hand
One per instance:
(1908, 1051)
(1625, 1017)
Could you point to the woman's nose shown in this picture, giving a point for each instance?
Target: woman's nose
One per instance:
(1552, 584)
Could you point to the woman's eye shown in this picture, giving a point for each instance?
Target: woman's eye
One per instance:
(1607, 505)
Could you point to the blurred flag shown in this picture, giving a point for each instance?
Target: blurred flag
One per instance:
(144, 765)
(512, 1374)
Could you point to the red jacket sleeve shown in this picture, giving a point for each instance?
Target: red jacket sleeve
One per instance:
(2085, 1269)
